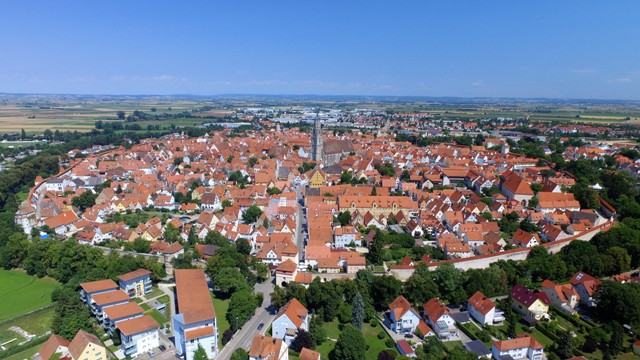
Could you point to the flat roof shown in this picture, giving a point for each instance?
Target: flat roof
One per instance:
(193, 296)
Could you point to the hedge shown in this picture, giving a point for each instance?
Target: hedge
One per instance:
(572, 319)
(25, 346)
(543, 329)
(468, 332)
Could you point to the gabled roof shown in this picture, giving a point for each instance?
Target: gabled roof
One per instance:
(401, 306)
(295, 311)
(263, 347)
(527, 297)
(481, 303)
(434, 309)
(520, 342)
(193, 297)
(590, 283)
(51, 345)
(80, 343)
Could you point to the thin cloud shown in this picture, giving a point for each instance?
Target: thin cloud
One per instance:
(583, 71)
(477, 83)
(620, 80)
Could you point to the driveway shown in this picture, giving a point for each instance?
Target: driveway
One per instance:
(244, 337)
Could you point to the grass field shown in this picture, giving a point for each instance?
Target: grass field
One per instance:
(374, 345)
(221, 307)
(37, 323)
(21, 293)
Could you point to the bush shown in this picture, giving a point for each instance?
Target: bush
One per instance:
(374, 322)
(226, 336)
(382, 335)
(390, 343)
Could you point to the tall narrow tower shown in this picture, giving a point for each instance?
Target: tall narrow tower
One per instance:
(316, 141)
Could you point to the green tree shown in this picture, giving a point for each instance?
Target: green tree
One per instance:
(350, 345)
(200, 354)
(243, 246)
(242, 305)
(616, 344)
(239, 354)
(171, 234)
(344, 217)
(357, 311)
(251, 215)
(317, 331)
(229, 280)
(86, 200)
(140, 245)
(420, 287)
(565, 346)
(384, 290)
(70, 314)
(302, 339)
(405, 175)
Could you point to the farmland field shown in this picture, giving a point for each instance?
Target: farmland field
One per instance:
(21, 293)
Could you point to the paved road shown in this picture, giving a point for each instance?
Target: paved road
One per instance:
(168, 290)
(244, 337)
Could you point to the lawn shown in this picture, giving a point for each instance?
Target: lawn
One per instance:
(157, 315)
(221, 306)
(164, 299)
(155, 291)
(36, 323)
(21, 293)
(370, 334)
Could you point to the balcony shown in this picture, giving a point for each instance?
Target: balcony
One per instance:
(128, 351)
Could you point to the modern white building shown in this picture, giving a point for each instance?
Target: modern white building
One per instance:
(138, 335)
(194, 324)
(522, 347)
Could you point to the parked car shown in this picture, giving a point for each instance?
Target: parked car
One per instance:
(162, 347)
(260, 326)
(408, 336)
(151, 353)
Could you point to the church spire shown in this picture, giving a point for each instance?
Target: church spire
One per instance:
(316, 141)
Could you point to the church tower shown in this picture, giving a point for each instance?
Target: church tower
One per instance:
(316, 141)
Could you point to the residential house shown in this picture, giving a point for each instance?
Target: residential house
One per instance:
(138, 335)
(563, 296)
(56, 344)
(292, 317)
(267, 348)
(308, 354)
(113, 314)
(402, 318)
(86, 346)
(524, 239)
(89, 289)
(344, 236)
(586, 285)
(438, 318)
(522, 347)
(483, 310)
(136, 283)
(530, 303)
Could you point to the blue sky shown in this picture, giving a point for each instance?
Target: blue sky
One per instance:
(555, 49)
